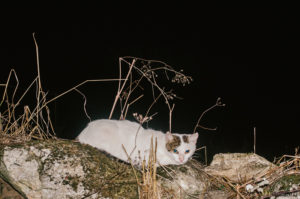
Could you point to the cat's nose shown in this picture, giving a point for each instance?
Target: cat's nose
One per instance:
(181, 158)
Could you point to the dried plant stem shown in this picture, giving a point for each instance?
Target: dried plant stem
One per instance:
(152, 78)
(155, 100)
(170, 118)
(121, 89)
(205, 153)
(39, 85)
(78, 85)
(135, 139)
(23, 95)
(135, 174)
(128, 96)
(10, 106)
(149, 188)
(153, 83)
(84, 104)
(165, 67)
(218, 103)
(254, 141)
(129, 104)
(12, 71)
(30, 124)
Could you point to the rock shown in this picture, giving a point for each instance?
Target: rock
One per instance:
(68, 169)
(238, 167)
(186, 181)
(65, 169)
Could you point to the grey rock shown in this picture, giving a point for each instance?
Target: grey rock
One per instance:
(67, 169)
(64, 169)
(238, 167)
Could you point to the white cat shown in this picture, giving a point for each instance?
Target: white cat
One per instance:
(110, 135)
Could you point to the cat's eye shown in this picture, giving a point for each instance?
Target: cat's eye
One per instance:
(175, 151)
(187, 151)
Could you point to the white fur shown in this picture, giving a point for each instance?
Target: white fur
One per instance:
(110, 135)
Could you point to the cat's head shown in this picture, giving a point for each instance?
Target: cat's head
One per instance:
(181, 146)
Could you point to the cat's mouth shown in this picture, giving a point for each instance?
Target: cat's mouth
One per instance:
(181, 158)
(181, 161)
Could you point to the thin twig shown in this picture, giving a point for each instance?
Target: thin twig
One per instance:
(78, 85)
(254, 141)
(170, 118)
(84, 104)
(135, 174)
(128, 96)
(121, 89)
(218, 103)
(155, 100)
(129, 104)
(205, 153)
(6, 85)
(39, 87)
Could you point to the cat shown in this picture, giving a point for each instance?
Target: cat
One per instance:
(110, 135)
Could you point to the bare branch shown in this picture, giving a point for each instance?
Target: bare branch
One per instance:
(39, 87)
(121, 89)
(170, 118)
(84, 104)
(127, 107)
(78, 85)
(218, 103)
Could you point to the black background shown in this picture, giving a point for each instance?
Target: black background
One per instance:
(250, 62)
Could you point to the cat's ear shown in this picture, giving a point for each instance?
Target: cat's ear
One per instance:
(169, 136)
(193, 138)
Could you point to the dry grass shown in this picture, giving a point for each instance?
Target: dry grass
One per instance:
(33, 122)
(148, 185)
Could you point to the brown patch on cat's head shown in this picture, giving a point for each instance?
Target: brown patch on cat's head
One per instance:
(173, 144)
(185, 138)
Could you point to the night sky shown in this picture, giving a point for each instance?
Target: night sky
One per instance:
(251, 64)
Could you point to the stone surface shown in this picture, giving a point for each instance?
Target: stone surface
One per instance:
(22, 171)
(67, 169)
(238, 167)
(64, 169)
(186, 180)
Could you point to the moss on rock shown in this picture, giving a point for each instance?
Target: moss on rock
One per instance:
(81, 167)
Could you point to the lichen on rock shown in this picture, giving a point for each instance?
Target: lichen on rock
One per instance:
(184, 180)
(65, 169)
(68, 169)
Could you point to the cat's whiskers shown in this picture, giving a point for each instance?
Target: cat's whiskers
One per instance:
(205, 152)
(201, 148)
(195, 156)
